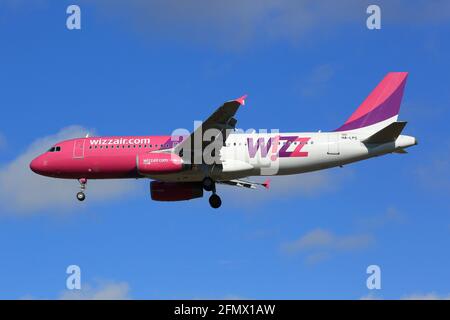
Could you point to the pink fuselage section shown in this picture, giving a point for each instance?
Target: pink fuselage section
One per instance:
(99, 157)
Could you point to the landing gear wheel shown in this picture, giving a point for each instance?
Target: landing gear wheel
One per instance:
(81, 196)
(208, 184)
(215, 201)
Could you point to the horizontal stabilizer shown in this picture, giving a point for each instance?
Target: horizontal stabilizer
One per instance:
(246, 184)
(387, 134)
(402, 151)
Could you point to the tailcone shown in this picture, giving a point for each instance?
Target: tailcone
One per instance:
(404, 141)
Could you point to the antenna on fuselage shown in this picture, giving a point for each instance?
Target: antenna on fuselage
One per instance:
(87, 135)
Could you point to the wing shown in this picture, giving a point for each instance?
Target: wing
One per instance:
(246, 184)
(222, 120)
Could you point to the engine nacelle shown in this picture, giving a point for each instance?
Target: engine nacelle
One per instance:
(158, 163)
(175, 191)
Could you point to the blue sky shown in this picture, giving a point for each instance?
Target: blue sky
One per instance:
(149, 67)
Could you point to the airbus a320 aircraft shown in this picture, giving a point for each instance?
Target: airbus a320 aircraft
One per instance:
(183, 167)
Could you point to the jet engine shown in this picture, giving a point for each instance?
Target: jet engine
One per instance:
(175, 191)
(159, 163)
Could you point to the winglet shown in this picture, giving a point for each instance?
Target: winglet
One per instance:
(266, 184)
(241, 100)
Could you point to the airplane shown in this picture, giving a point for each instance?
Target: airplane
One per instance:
(182, 167)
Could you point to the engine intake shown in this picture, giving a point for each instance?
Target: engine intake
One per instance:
(175, 191)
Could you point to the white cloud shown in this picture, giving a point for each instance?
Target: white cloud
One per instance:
(371, 296)
(213, 297)
(419, 296)
(232, 23)
(23, 191)
(317, 81)
(103, 291)
(239, 23)
(390, 216)
(233, 297)
(320, 244)
(324, 239)
(427, 296)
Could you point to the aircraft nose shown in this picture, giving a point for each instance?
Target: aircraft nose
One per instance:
(37, 165)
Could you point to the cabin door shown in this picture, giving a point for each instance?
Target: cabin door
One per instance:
(333, 144)
(78, 149)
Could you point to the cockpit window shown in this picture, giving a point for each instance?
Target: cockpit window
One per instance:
(54, 149)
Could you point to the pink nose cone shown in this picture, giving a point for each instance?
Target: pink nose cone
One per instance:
(37, 165)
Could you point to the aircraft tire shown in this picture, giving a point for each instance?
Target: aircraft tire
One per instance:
(81, 196)
(215, 201)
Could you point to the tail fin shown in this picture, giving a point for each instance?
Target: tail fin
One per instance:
(383, 103)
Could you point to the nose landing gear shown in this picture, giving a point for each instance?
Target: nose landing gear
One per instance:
(80, 195)
(209, 185)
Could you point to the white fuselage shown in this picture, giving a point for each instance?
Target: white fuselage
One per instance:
(288, 153)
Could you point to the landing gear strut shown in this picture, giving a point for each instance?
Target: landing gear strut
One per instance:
(80, 195)
(208, 184)
(214, 200)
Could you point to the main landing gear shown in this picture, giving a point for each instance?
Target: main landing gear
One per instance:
(80, 195)
(209, 185)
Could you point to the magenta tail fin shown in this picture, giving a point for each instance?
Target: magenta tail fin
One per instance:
(381, 104)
